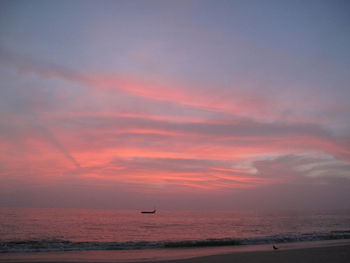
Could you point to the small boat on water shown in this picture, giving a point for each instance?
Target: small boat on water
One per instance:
(149, 212)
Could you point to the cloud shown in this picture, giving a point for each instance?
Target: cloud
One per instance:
(138, 132)
(172, 174)
(57, 145)
(28, 64)
(304, 167)
(193, 96)
(236, 134)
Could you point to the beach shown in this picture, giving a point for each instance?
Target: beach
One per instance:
(325, 251)
(326, 254)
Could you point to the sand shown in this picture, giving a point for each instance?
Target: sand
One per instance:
(326, 252)
(336, 254)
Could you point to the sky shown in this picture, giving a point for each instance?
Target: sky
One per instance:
(175, 104)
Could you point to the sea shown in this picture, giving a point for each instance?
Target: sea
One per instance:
(29, 230)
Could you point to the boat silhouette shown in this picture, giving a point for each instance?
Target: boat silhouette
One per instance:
(149, 212)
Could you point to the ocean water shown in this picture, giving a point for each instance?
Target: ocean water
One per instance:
(50, 229)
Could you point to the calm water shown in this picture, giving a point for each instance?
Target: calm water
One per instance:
(34, 229)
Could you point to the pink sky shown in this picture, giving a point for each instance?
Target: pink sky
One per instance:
(184, 105)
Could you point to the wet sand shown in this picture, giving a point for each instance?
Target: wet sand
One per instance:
(336, 254)
(321, 252)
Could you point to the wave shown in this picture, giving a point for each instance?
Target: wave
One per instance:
(52, 245)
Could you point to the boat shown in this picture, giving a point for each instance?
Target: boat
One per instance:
(149, 212)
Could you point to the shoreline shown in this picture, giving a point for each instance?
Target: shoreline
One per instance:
(314, 251)
(339, 254)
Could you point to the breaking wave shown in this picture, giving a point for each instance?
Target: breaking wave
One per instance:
(65, 245)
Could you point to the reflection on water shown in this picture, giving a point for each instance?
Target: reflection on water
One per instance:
(118, 226)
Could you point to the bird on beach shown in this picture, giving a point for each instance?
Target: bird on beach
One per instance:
(274, 247)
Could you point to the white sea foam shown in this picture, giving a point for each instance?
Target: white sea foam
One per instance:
(64, 245)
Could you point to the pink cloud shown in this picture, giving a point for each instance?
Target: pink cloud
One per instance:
(202, 148)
